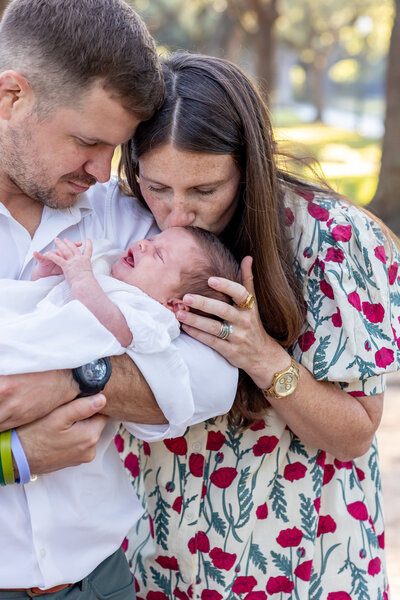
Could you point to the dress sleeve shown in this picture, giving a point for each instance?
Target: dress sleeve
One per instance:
(352, 294)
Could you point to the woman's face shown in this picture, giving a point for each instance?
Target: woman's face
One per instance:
(187, 188)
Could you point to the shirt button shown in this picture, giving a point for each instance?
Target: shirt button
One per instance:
(189, 515)
(42, 552)
(196, 446)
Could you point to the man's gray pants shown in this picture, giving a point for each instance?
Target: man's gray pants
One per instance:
(111, 580)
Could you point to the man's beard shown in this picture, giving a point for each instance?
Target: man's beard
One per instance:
(27, 173)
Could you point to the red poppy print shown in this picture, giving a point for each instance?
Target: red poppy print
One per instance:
(354, 300)
(260, 595)
(131, 463)
(151, 525)
(168, 562)
(317, 504)
(119, 443)
(380, 253)
(384, 357)
(360, 474)
(215, 440)
(125, 544)
(329, 472)
(337, 318)
(196, 464)
(321, 458)
(358, 510)
(342, 233)
(146, 449)
(374, 566)
(180, 594)
(338, 596)
(258, 425)
(262, 511)
(340, 464)
(221, 559)
(289, 217)
(243, 584)
(265, 445)
(303, 570)
(210, 595)
(317, 212)
(276, 585)
(177, 445)
(294, 471)
(334, 255)
(309, 196)
(288, 538)
(373, 312)
(177, 505)
(392, 272)
(326, 289)
(222, 478)
(381, 540)
(325, 525)
(202, 542)
(306, 340)
(156, 596)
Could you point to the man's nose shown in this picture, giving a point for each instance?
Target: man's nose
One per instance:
(99, 165)
(181, 215)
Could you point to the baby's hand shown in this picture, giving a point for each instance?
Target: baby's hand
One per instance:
(46, 267)
(75, 265)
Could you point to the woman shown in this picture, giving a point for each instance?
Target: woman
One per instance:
(282, 497)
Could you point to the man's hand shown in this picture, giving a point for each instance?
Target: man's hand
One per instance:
(27, 397)
(66, 437)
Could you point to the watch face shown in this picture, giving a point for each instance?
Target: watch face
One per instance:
(286, 384)
(95, 371)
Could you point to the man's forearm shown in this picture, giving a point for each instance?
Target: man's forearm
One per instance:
(129, 397)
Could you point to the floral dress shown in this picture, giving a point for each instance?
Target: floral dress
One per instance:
(258, 514)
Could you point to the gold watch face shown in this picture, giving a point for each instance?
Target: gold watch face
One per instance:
(285, 384)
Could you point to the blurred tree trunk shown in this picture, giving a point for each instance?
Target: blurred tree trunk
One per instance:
(264, 44)
(386, 202)
(3, 4)
(257, 20)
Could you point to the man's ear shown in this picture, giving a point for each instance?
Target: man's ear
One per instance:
(176, 304)
(15, 93)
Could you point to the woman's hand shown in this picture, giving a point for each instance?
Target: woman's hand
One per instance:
(248, 346)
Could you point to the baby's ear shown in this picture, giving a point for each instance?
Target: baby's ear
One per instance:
(176, 304)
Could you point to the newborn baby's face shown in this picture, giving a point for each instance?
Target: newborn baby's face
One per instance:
(155, 265)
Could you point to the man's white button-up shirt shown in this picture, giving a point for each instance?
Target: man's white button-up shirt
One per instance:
(58, 528)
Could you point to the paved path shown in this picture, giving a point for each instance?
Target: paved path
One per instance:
(389, 449)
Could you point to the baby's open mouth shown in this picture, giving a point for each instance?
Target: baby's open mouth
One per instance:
(130, 259)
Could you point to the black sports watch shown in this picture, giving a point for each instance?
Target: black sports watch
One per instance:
(93, 376)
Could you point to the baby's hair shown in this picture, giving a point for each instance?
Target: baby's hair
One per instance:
(214, 260)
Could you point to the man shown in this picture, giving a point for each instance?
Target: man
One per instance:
(76, 79)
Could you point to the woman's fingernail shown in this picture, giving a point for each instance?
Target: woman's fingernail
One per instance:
(213, 281)
(188, 299)
(181, 315)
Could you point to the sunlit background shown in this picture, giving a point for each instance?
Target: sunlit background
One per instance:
(330, 72)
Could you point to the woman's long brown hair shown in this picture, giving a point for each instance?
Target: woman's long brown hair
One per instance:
(211, 106)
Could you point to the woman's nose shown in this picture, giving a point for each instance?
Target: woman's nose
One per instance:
(181, 216)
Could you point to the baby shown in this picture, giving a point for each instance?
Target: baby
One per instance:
(107, 303)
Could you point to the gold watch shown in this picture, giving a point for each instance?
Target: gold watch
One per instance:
(284, 382)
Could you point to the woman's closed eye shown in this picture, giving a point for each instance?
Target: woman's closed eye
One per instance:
(152, 188)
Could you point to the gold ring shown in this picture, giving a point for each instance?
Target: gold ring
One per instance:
(248, 303)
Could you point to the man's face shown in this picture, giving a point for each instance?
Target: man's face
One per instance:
(155, 265)
(54, 160)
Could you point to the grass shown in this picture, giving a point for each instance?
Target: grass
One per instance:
(348, 161)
